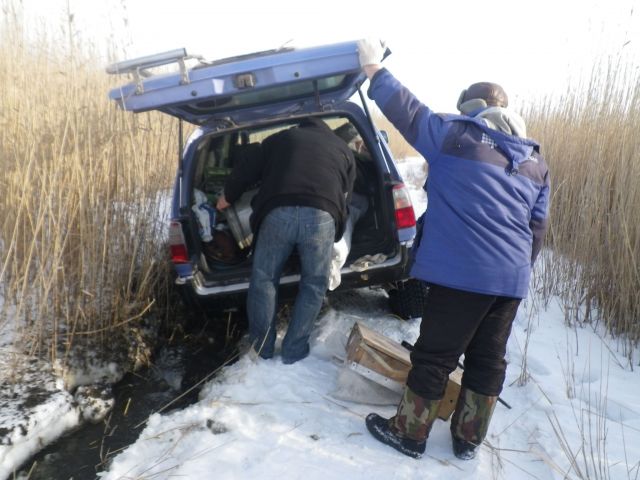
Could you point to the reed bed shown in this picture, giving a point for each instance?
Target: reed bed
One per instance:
(82, 249)
(589, 136)
(81, 232)
(398, 145)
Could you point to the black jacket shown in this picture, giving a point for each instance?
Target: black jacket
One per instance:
(308, 165)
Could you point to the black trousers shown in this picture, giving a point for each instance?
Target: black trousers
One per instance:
(456, 322)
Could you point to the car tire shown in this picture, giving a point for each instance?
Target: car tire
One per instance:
(408, 299)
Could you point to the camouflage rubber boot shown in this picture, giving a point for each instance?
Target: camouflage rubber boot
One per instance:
(470, 422)
(408, 430)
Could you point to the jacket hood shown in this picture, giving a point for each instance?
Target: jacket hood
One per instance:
(505, 120)
(517, 149)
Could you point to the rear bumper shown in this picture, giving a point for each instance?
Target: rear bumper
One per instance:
(389, 271)
(392, 270)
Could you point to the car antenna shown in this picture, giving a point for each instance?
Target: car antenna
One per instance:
(284, 45)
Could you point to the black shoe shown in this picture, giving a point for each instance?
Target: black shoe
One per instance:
(380, 429)
(464, 450)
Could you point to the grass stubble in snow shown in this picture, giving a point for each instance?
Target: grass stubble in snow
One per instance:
(267, 419)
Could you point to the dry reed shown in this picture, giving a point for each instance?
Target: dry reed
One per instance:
(590, 139)
(81, 236)
(82, 184)
(398, 145)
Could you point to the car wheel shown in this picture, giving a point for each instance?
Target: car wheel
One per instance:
(407, 300)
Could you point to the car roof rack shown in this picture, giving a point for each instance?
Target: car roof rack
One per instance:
(138, 67)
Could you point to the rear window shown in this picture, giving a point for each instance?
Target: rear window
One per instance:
(268, 95)
(217, 152)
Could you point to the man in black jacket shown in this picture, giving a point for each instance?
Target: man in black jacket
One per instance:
(306, 176)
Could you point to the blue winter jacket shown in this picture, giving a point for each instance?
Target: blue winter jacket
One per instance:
(488, 196)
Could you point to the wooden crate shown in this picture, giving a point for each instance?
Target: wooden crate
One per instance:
(387, 363)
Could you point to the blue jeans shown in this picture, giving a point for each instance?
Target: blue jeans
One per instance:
(311, 232)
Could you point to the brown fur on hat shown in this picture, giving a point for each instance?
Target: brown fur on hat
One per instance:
(482, 95)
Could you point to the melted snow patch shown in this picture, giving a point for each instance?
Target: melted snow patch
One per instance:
(34, 409)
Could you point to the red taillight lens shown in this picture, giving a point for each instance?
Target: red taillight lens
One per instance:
(405, 216)
(179, 254)
(177, 245)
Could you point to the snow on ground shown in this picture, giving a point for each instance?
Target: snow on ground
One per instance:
(34, 411)
(36, 407)
(574, 411)
(264, 419)
(36, 403)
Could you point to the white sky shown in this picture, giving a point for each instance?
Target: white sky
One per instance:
(531, 48)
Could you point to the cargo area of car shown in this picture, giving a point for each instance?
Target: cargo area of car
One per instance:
(224, 244)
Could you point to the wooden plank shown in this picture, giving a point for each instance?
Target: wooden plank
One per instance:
(386, 358)
(448, 403)
(383, 364)
(384, 344)
(378, 353)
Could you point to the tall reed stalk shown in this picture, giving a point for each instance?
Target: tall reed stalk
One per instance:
(81, 233)
(399, 146)
(590, 138)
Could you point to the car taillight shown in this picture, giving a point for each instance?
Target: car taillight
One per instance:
(405, 216)
(177, 244)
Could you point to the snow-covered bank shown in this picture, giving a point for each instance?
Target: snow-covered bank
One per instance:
(41, 401)
(264, 419)
(574, 409)
(33, 412)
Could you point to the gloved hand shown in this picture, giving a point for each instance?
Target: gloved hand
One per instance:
(370, 51)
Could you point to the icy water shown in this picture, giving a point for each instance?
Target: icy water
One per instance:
(179, 364)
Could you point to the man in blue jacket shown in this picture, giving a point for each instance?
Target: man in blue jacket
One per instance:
(488, 191)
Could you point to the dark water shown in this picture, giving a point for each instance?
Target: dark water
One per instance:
(180, 363)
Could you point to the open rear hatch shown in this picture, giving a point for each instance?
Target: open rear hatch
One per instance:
(225, 259)
(238, 101)
(240, 88)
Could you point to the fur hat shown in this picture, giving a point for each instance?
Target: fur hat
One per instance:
(480, 96)
(347, 132)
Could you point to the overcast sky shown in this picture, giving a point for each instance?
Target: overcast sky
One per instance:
(531, 48)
